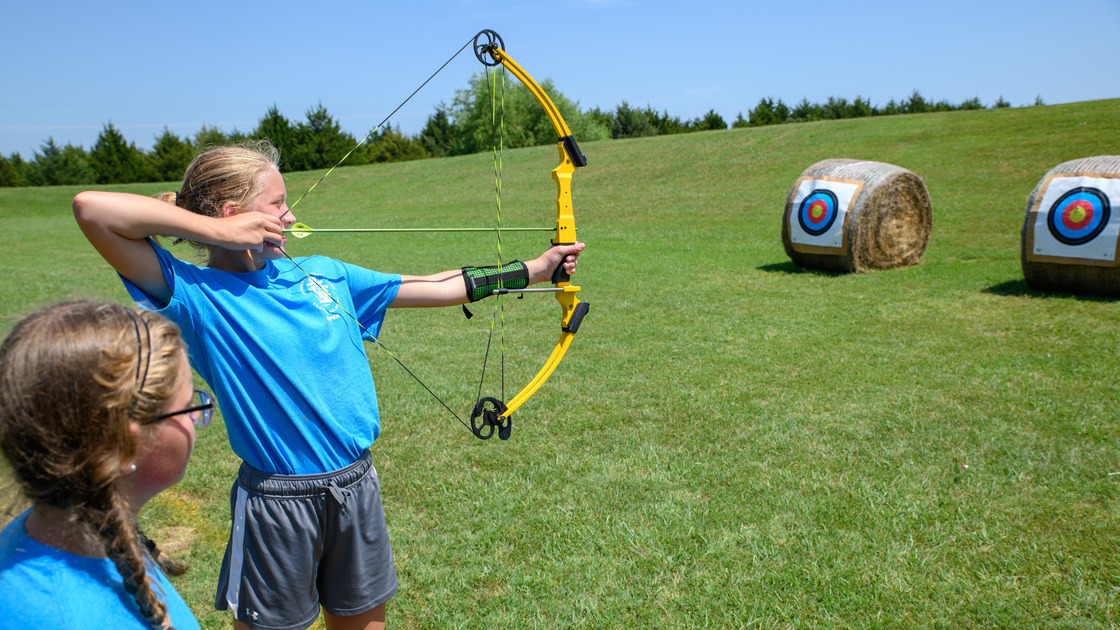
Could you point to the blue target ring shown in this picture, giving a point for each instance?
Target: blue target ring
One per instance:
(818, 212)
(1078, 216)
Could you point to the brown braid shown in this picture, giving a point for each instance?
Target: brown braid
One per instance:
(74, 377)
(124, 547)
(166, 563)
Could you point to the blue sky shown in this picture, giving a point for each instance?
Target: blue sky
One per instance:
(70, 67)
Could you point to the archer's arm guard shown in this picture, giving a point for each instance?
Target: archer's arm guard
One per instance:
(484, 281)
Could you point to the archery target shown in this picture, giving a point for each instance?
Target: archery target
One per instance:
(819, 213)
(1076, 220)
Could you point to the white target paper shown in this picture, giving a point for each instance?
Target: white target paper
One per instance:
(1076, 220)
(819, 214)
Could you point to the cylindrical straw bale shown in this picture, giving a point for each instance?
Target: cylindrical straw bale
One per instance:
(1072, 228)
(852, 215)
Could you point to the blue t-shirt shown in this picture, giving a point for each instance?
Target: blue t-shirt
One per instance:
(45, 587)
(286, 363)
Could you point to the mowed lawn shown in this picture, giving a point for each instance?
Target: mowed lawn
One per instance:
(732, 441)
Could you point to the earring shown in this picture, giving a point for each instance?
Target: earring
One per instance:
(131, 469)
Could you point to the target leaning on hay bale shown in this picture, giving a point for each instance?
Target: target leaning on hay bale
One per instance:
(1072, 228)
(852, 215)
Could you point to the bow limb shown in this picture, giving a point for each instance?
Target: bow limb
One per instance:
(572, 310)
(569, 325)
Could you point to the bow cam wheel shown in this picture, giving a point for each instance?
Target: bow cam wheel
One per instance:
(484, 44)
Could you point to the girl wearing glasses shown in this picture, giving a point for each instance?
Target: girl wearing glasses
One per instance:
(97, 416)
(308, 526)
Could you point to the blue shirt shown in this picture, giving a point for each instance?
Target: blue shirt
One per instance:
(45, 587)
(286, 361)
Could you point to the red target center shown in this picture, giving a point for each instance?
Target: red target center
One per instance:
(817, 211)
(1077, 214)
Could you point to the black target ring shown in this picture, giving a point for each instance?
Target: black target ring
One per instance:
(1079, 216)
(818, 211)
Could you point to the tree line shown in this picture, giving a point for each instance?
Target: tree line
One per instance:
(465, 126)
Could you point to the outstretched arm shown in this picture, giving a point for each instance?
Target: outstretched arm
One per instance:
(448, 289)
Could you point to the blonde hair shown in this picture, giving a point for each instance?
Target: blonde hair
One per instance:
(224, 174)
(73, 378)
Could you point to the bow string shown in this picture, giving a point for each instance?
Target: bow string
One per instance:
(491, 414)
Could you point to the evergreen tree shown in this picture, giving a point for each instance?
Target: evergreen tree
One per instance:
(861, 108)
(805, 111)
(117, 161)
(631, 123)
(11, 171)
(170, 156)
(781, 111)
(57, 166)
(388, 145)
(438, 136)
(208, 137)
(916, 104)
(275, 128)
(972, 103)
(666, 124)
(710, 121)
(835, 108)
(767, 113)
(320, 142)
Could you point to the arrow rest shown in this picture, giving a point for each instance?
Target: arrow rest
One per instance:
(491, 411)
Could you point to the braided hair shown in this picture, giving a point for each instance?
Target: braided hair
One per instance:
(74, 378)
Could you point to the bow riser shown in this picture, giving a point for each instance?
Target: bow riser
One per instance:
(565, 218)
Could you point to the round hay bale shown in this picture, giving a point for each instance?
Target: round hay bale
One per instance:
(852, 215)
(1072, 228)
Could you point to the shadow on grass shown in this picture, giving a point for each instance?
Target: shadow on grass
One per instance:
(789, 267)
(1020, 288)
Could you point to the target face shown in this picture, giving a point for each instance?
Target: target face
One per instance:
(1078, 216)
(818, 215)
(818, 211)
(1073, 221)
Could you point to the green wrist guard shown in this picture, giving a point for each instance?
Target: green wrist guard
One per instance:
(484, 281)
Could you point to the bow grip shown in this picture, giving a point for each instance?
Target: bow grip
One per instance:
(559, 275)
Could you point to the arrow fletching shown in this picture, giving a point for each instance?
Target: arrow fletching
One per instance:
(301, 230)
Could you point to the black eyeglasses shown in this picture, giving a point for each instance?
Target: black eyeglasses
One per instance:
(201, 412)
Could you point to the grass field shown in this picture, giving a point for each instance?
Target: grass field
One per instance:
(732, 442)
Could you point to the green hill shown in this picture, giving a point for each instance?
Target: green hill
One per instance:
(731, 441)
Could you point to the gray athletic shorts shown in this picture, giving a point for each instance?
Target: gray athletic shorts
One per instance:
(301, 541)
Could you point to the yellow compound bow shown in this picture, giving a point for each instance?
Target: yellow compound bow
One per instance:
(490, 413)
